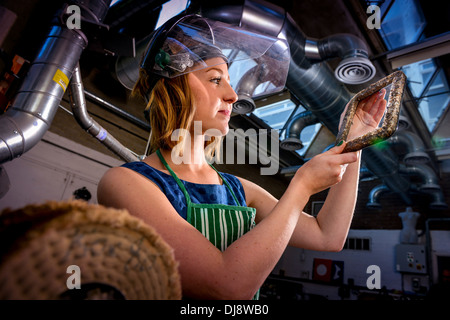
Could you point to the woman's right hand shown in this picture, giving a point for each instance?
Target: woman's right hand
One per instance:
(324, 170)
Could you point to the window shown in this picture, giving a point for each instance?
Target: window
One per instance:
(419, 74)
(435, 99)
(171, 9)
(277, 115)
(403, 24)
(429, 86)
(362, 244)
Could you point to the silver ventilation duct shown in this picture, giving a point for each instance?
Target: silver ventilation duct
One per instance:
(354, 67)
(35, 104)
(430, 181)
(435, 196)
(415, 149)
(437, 201)
(383, 163)
(244, 104)
(310, 79)
(127, 68)
(403, 123)
(245, 88)
(313, 83)
(78, 102)
(375, 194)
(429, 186)
(294, 130)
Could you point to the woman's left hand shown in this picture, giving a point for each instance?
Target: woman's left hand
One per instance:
(368, 114)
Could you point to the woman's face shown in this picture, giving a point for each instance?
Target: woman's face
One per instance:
(213, 95)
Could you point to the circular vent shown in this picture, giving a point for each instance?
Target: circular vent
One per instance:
(373, 205)
(416, 157)
(244, 105)
(438, 205)
(429, 187)
(403, 123)
(291, 144)
(355, 70)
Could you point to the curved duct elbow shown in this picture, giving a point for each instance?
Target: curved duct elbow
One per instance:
(437, 201)
(429, 186)
(311, 80)
(415, 149)
(384, 164)
(78, 101)
(246, 86)
(430, 181)
(374, 196)
(36, 102)
(35, 105)
(127, 68)
(403, 123)
(355, 66)
(294, 129)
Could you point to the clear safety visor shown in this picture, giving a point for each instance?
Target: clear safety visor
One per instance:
(258, 64)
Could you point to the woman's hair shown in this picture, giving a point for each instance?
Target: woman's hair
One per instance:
(171, 106)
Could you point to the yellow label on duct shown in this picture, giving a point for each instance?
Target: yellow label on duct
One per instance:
(61, 79)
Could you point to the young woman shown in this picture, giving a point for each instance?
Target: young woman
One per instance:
(227, 232)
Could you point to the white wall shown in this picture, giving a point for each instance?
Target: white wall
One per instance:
(53, 170)
(297, 263)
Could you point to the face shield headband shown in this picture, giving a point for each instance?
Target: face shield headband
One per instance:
(183, 45)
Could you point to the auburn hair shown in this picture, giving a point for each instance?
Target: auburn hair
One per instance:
(171, 106)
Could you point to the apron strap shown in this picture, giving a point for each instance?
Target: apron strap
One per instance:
(180, 184)
(228, 186)
(183, 188)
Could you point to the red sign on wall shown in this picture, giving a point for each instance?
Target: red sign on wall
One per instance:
(327, 270)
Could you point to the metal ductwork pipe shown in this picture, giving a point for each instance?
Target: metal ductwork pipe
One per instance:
(430, 181)
(384, 164)
(355, 66)
(34, 107)
(436, 197)
(429, 186)
(127, 68)
(375, 194)
(78, 102)
(312, 81)
(403, 123)
(437, 200)
(294, 130)
(35, 104)
(245, 88)
(415, 149)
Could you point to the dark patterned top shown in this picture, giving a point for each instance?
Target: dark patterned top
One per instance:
(199, 193)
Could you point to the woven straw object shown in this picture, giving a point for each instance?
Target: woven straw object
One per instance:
(119, 257)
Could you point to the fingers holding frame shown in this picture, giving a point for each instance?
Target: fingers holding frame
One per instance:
(375, 104)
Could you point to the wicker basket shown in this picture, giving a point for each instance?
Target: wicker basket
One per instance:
(118, 256)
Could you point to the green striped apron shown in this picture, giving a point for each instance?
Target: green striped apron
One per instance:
(221, 224)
